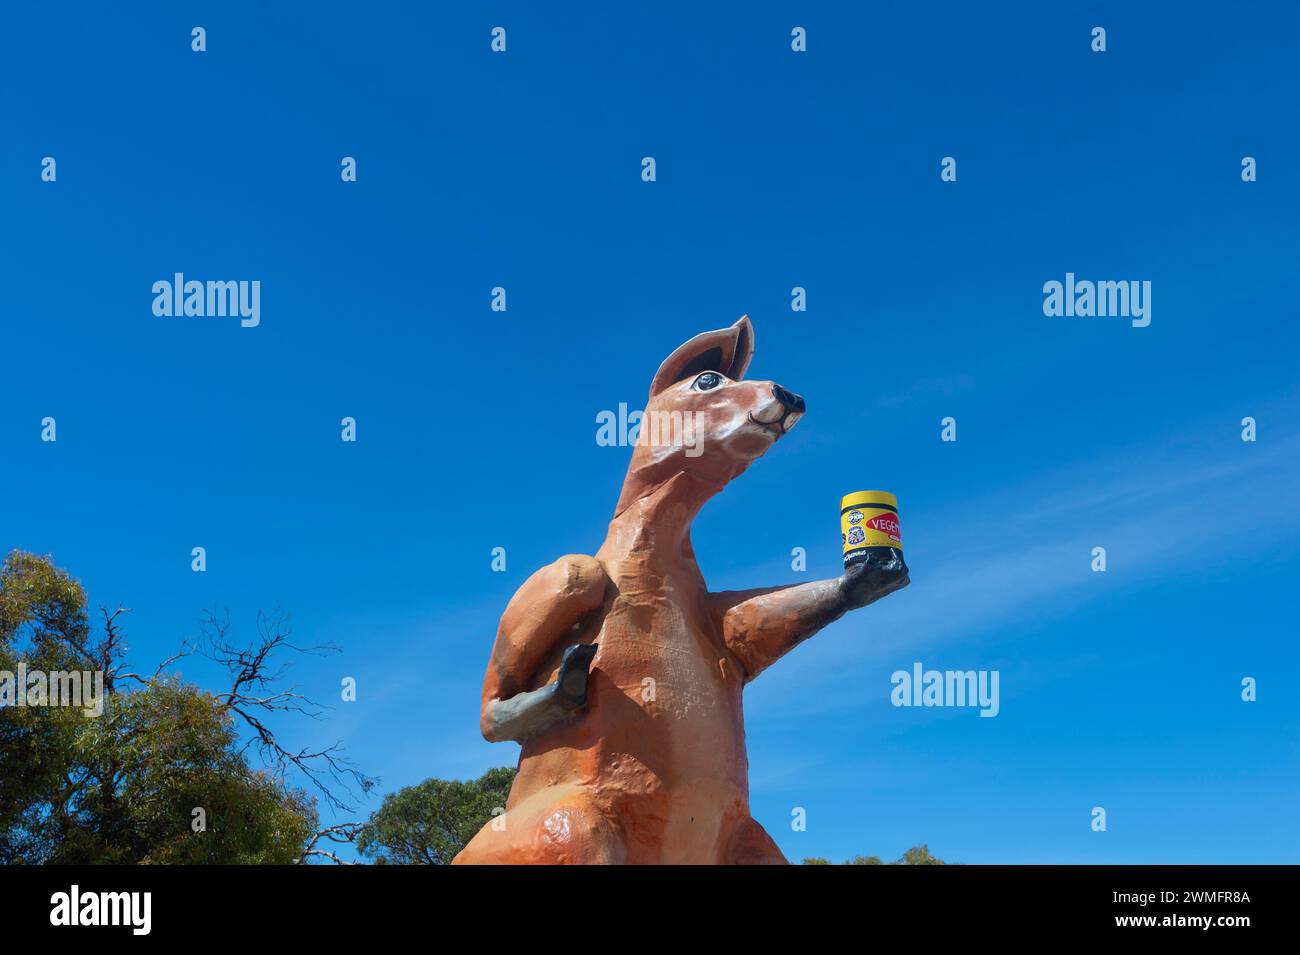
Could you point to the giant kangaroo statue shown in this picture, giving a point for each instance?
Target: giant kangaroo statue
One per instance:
(621, 674)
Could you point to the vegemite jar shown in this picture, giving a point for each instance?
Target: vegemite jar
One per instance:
(869, 526)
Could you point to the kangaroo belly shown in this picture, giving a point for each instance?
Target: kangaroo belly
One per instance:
(661, 743)
(665, 688)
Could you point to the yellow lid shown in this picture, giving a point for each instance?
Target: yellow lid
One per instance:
(868, 498)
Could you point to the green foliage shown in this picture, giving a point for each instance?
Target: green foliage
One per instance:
(40, 604)
(429, 823)
(175, 749)
(917, 855)
(120, 788)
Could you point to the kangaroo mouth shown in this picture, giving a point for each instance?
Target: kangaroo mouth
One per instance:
(777, 427)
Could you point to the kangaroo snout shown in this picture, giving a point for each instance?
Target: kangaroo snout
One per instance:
(791, 401)
(791, 408)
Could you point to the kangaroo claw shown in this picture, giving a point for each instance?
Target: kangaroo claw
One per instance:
(571, 684)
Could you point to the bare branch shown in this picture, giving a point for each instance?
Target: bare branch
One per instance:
(112, 651)
(343, 833)
(184, 651)
(253, 696)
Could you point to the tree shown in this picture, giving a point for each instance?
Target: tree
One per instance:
(917, 855)
(429, 823)
(161, 775)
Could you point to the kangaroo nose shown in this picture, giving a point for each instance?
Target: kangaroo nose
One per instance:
(791, 401)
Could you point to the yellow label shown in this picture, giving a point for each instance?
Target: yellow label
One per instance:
(869, 519)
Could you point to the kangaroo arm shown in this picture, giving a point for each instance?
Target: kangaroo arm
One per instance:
(521, 716)
(762, 625)
(524, 715)
(544, 613)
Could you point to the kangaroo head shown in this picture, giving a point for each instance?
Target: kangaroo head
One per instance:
(703, 419)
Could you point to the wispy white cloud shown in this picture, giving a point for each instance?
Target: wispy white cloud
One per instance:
(1175, 512)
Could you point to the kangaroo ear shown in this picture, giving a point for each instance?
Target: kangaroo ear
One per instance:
(727, 351)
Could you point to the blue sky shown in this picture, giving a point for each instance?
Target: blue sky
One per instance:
(775, 169)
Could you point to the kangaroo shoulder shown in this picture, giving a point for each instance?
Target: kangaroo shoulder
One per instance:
(574, 583)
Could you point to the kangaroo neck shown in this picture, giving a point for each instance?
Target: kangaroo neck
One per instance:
(653, 524)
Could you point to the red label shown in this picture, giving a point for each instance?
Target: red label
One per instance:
(886, 524)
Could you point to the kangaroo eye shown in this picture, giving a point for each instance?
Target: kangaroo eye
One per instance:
(708, 381)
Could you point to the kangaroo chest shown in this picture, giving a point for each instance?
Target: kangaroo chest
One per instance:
(658, 623)
(660, 647)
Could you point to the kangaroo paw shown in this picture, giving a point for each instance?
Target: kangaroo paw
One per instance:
(571, 684)
(873, 578)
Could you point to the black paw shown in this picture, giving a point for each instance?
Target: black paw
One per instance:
(870, 579)
(571, 684)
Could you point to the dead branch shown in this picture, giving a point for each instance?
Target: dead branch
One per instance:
(343, 833)
(109, 656)
(254, 696)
